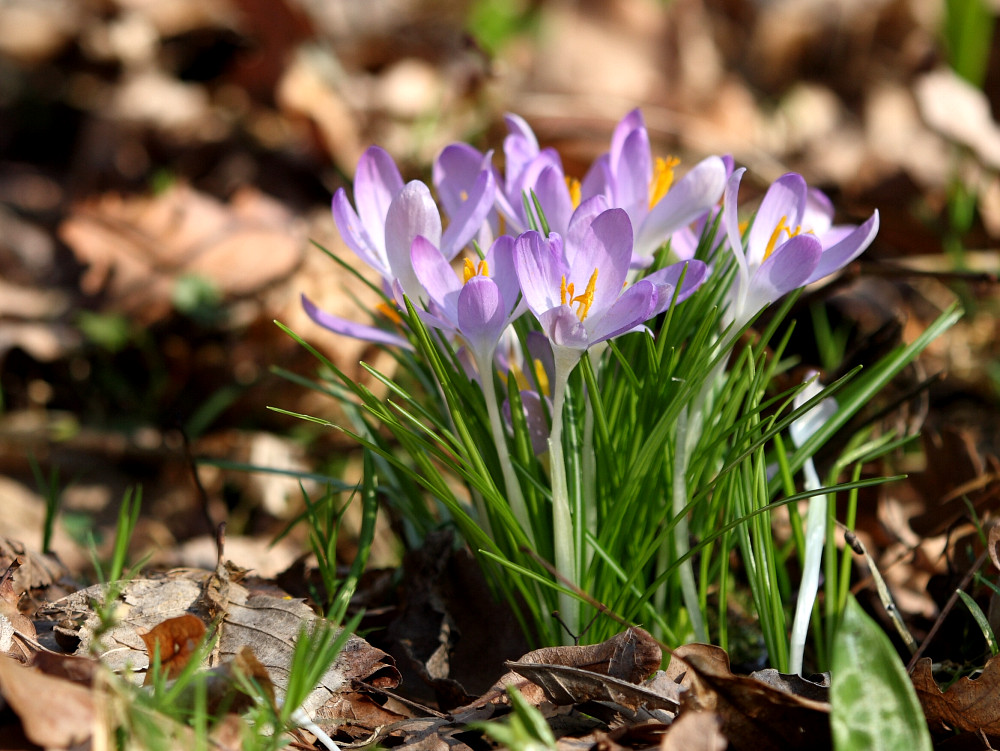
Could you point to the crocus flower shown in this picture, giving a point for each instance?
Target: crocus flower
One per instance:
(480, 305)
(389, 216)
(584, 300)
(790, 244)
(629, 179)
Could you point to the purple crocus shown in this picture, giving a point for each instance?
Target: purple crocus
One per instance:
(792, 243)
(583, 300)
(480, 305)
(389, 216)
(629, 178)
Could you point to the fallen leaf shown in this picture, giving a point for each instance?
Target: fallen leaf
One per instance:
(695, 731)
(753, 715)
(564, 685)
(137, 248)
(175, 641)
(968, 704)
(267, 624)
(65, 718)
(630, 656)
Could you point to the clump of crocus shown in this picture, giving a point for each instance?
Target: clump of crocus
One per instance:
(513, 273)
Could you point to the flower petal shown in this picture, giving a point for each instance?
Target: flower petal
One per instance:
(846, 250)
(376, 183)
(455, 172)
(731, 219)
(788, 268)
(579, 224)
(470, 216)
(632, 174)
(436, 276)
(693, 195)
(540, 268)
(500, 259)
(356, 237)
(607, 248)
(666, 280)
(633, 307)
(413, 212)
(553, 195)
(564, 329)
(481, 317)
(352, 329)
(785, 199)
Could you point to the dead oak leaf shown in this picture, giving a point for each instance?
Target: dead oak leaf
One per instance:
(753, 715)
(65, 718)
(968, 704)
(268, 624)
(137, 247)
(175, 641)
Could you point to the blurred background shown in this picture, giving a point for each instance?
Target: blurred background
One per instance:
(167, 165)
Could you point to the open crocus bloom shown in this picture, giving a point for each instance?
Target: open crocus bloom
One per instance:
(479, 305)
(629, 178)
(585, 300)
(791, 243)
(389, 216)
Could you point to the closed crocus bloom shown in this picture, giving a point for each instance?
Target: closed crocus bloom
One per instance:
(791, 243)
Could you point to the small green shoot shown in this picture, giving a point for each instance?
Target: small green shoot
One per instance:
(981, 620)
(526, 730)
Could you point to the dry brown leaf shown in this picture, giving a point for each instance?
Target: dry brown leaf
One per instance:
(754, 716)
(65, 718)
(565, 685)
(695, 731)
(175, 640)
(994, 540)
(968, 704)
(136, 248)
(630, 656)
(267, 624)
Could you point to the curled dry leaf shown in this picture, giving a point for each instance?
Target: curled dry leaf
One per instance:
(630, 656)
(136, 248)
(695, 731)
(175, 640)
(968, 704)
(64, 719)
(753, 715)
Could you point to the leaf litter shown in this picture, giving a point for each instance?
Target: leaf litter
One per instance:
(749, 80)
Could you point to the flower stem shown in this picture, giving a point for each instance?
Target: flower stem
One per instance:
(563, 539)
(682, 545)
(513, 487)
(815, 537)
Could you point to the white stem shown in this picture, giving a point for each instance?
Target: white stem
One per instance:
(689, 589)
(511, 483)
(815, 540)
(564, 542)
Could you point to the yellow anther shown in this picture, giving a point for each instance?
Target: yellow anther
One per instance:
(541, 377)
(464, 195)
(470, 269)
(565, 292)
(389, 312)
(587, 298)
(776, 235)
(574, 190)
(663, 178)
